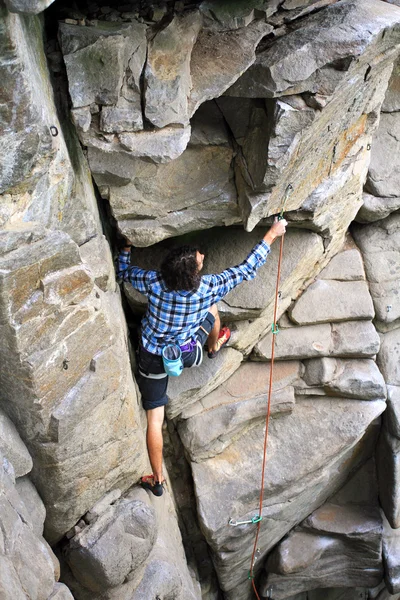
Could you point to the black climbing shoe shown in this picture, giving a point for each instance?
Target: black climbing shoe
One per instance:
(148, 483)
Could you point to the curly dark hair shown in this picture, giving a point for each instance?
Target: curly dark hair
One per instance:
(180, 270)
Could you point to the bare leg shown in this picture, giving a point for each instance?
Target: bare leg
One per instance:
(214, 333)
(155, 419)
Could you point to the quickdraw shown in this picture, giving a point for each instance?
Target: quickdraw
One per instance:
(254, 520)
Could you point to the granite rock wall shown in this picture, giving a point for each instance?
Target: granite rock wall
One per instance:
(199, 121)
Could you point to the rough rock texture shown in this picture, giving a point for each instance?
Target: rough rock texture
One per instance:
(146, 558)
(28, 567)
(338, 545)
(380, 245)
(27, 6)
(391, 557)
(63, 347)
(197, 116)
(321, 467)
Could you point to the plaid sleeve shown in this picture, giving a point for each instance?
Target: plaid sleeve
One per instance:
(224, 282)
(134, 275)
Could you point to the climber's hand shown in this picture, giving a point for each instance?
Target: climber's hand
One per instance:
(277, 230)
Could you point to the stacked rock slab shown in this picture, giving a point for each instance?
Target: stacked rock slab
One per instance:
(338, 545)
(28, 567)
(190, 123)
(64, 357)
(129, 550)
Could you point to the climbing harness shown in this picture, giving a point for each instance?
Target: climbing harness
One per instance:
(257, 520)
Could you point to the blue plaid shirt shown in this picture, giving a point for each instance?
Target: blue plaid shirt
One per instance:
(174, 317)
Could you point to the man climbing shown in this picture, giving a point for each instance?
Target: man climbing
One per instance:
(182, 311)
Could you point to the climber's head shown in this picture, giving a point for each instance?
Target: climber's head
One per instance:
(181, 268)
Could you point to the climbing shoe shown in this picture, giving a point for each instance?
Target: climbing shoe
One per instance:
(148, 483)
(223, 338)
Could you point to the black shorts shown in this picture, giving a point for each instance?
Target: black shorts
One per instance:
(152, 379)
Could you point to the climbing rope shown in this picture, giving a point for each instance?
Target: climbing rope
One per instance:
(275, 330)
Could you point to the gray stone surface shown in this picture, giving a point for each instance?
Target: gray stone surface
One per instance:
(333, 546)
(392, 419)
(388, 467)
(376, 208)
(197, 382)
(13, 448)
(345, 266)
(59, 380)
(219, 58)
(384, 170)
(347, 378)
(388, 357)
(28, 6)
(110, 550)
(33, 503)
(167, 77)
(391, 557)
(348, 339)
(28, 568)
(392, 99)
(380, 245)
(332, 301)
(61, 592)
(96, 255)
(164, 573)
(340, 154)
(347, 537)
(152, 202)
(161, 146)
(209, 426)
(302, 60)
(333, 430)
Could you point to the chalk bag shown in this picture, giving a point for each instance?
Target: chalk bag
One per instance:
(172, 359)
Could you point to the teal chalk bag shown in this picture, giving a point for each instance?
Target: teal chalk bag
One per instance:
(172, 359)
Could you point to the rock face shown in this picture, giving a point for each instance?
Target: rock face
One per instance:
(338, 545)
(199, 120)
(28, 567)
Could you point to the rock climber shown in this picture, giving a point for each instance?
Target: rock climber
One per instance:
(182, 310)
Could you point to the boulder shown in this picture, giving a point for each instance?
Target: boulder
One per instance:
(347, 378)
(167, 79)
(13, 448)
(232, 15)
(391, 557)
(27, 6)
(345, 266)
(376, 208)
(299, 477)
(318, 149)
(219, 58)
(60, 379)
(388, 467)
(384, 172)
(146, 525)
(388, 357)
(28, 568)
(347, 536)
(392, 416)
(209, 426)
(112, 549)
(337, 541)
(392, 101)
(333, 301)
(152, 202)
(197, 382)
(96, 256)
(380, 245)
(61, 592)
(316, 56)
(349, 339)
(33, 503)
(209, 126)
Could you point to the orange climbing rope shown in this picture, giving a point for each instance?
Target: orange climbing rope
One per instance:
(275, 330)
(271, 374)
